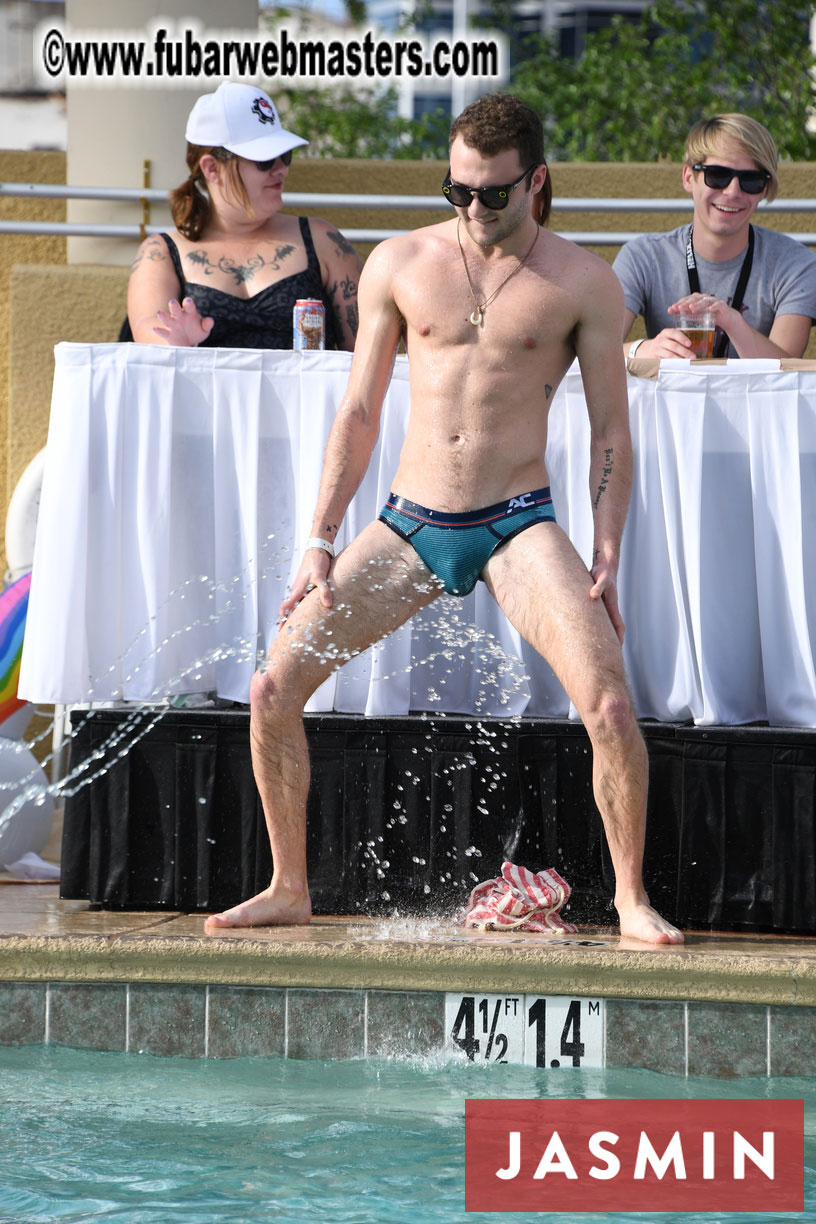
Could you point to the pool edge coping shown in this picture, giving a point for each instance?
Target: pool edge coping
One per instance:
(653, 974)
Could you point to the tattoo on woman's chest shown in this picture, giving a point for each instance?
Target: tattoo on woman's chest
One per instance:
(241, 272)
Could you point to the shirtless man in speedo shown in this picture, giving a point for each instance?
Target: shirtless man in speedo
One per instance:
(494, 309)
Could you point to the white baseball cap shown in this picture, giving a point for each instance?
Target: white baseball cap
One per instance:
(243, 120)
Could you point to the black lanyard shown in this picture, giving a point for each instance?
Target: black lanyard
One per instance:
(742, 283)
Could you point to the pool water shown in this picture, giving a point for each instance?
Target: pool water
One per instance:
(87, 1136)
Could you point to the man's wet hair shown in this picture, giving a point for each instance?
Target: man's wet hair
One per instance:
(499, 121)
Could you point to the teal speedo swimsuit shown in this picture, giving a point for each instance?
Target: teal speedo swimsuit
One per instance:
(457, 547)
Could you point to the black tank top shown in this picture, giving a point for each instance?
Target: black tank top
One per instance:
(262, 321)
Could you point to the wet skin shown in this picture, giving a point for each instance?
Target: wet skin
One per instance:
(477, 433)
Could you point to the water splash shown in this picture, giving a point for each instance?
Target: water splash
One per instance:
(444, 643)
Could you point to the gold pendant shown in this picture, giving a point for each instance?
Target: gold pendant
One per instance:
(476, 317)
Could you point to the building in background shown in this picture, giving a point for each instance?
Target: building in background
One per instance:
(30, 116)
(568, 23)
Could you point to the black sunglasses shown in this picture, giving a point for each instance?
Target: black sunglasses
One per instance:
(752, 182)
(224, 155)
(286, 158)
(494, 198)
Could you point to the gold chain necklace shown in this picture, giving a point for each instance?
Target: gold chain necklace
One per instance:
(477, 316)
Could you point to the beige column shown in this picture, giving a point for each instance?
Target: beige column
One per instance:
(114, 127)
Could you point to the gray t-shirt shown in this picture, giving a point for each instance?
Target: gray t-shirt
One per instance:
(652, 270)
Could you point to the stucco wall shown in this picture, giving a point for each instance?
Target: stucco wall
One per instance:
(44, 301)
(20, 249)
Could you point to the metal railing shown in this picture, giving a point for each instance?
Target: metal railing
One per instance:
(319, 200)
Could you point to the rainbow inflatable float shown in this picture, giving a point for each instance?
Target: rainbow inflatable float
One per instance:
(13, 609)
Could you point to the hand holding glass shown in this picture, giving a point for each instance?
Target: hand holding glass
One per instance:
(699, 326)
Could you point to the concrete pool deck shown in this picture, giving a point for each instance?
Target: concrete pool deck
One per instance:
(43, 938)
(722, 1005)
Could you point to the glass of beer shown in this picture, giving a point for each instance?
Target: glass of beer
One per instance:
(699, 326)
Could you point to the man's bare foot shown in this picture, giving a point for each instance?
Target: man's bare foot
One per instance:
(268, 908)
(640, 921)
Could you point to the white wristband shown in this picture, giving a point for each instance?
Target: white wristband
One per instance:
(325, 545)
(633, 348)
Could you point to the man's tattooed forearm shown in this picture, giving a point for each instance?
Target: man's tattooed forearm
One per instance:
(606, 472)
(353, 318)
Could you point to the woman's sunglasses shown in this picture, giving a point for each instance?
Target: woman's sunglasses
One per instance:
(752, 182)
(224, 155)
(494, 198)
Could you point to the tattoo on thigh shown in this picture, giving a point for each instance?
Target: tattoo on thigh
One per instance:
(606, 472)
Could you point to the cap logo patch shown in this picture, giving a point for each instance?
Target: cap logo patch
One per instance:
(263, 110)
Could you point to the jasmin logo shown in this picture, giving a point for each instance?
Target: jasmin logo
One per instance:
(656, 1155)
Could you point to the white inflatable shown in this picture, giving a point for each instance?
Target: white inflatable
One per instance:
(21, 518)
(28, 829)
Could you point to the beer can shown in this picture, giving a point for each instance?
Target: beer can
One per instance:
(309, 324)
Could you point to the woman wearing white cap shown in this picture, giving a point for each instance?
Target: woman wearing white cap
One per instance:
(232, 270)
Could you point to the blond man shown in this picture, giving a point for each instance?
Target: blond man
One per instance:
(759, 284)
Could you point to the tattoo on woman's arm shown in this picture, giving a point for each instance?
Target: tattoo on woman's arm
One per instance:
(349, 288)
(343, 245)
(606, 472)
(154, 251)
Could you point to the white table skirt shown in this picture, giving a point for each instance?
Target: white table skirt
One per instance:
(179, 487)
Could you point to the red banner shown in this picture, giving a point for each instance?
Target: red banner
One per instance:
(642, 1155)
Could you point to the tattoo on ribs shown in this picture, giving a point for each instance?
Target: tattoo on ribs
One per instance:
(606, 472)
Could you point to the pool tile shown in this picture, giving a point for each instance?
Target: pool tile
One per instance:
(727, 1039)
(246, 1021)
(325, 1023)
(87, 1015)
(648, 1034)
(22, 1013)
(793, 1040)
(167, 1019)
(404, 1022)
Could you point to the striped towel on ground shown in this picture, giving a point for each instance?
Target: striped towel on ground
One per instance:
(520, 900)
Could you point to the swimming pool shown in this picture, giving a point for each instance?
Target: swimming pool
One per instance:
(135, 1139)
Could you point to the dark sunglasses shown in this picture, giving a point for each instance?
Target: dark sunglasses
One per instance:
(224, 155)
(494, 198)
(752, 182)
(286, 158)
